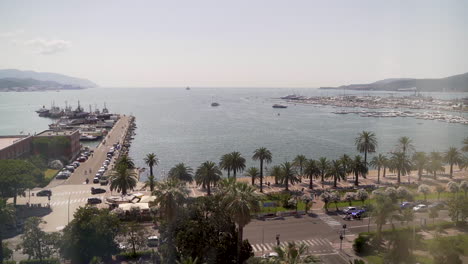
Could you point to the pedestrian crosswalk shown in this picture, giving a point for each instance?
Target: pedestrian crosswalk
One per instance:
(70, 193)
(330, 221)
(73, 201)
(316, 245)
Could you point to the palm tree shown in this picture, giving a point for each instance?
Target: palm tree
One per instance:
(241, 201)
(405, 145)
(7, 216)
(401, 164)
(346, 161)
(293, 253)
(435, 164)
(263, 155)
(288, 174)
(253, 173)
(123, 180)
(181, 172)
(237, 162)
(226, 163)
(420, 162)
(336, 171)
(126, 162)
(311, 170)
(465, 145)
(365, 143)
(300, 161)
(207, 173)
(323, 167)
(452, 156)
(170, 195)
(359, 168)
(378, 162)
(151, 160)
(275, 171)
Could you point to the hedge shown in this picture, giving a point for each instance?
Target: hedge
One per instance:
(37, 261)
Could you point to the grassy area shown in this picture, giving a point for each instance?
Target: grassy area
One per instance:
(300, 207)
(49, 174)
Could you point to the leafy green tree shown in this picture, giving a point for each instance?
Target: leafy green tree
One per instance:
(226, 163)
(299, 161)
(16, 176)
(326, 199)
(7, 253)
(253, 173)
(36, 243)
(91, 233)
(433, 213)
(122, 179)
(7, 216)
(464, 187)
(403, 193)
(264, 156)
(181, 172)
(420, 161)
(275, 171)
(289, 175)
(378, 162)
(439, 189)
(151, 160)
(458, 209)
(405, 145)
(311, 170)
(435, 164)
(323, 165)
(399, 243)
(237, 162)
(382, 210)
(446, 250)
(453, 187)
(424, 189)
(400, 164)
(207, 174)
(359, 169)
(362, 195)
(241, 202)
(336, 172)
(366, 142)
(452, 157)
(170, 196)
(135, 234)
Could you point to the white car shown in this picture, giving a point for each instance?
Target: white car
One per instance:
(420, 208)
(349, 209)
(153, 241)
(270, 255)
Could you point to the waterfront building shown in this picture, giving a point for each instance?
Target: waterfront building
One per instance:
(15, 146)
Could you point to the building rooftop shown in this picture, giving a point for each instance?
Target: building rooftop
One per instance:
(6, 141)
(49, 133)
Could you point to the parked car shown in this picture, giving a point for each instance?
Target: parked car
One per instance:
(44, 193)
(75, 164)
(270, 255)
(96, 180)
(438, 205)
(349, 209)
(70, 168)
(420, 208)
(358, 213)
(94, 200)
(152, 241)
(104, 181)
(406, 205)
(97, 190)
(81, 159)
(98, 175)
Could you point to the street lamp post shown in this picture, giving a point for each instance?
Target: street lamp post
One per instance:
(341, 241)
(278, 240)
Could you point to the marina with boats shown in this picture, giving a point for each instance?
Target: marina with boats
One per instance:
(93, 124)
(450, 111)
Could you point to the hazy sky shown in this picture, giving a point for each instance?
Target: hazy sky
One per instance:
(235, 43)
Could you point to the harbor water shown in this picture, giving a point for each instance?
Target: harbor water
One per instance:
(180, 125)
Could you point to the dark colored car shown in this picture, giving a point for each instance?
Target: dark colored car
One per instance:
(44, 193)
(81, 159)
(97, 190)
(96, 180)
(94, 200)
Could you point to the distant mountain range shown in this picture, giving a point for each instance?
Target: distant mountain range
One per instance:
(17, 80)
(456, 83)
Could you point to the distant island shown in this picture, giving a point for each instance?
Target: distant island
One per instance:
(12, 80)
(456, 83)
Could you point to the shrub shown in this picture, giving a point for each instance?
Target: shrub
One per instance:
(361, 244)
(37, 261)
(139, 254)
(9, 262)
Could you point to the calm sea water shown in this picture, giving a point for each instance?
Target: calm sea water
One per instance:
(181, 126)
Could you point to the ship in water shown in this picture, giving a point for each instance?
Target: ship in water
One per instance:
(187, 88)
(279, 106)
(214, 104)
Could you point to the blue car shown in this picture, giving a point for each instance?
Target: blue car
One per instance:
(358, 213)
